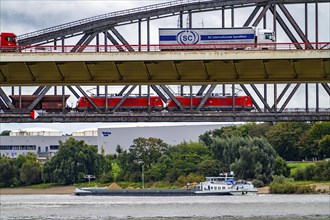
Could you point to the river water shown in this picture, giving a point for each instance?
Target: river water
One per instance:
(31, 207)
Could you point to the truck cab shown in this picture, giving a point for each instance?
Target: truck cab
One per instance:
(8, 41)
(264, 37)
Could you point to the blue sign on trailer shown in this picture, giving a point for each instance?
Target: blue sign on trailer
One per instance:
(205, 36)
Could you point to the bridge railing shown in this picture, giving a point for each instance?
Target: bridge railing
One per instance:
(166, 47)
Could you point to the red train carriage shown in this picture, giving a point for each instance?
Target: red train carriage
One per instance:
(48, 102)
(138, 103)
(214, 103)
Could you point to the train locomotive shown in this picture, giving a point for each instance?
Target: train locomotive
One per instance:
(213, 103)
(131, 103)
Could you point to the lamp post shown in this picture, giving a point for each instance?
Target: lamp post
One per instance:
(142, 175)
(89, 177)
(141, 162)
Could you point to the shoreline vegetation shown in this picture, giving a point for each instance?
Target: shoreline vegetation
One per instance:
(67, 190)
(287, 158)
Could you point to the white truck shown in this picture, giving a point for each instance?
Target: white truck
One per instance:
(216, 38)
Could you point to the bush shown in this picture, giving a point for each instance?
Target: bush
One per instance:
(320, 171)
(299, 174)
(258, 183)
(183, 180)
(106, 178)
(282, 185)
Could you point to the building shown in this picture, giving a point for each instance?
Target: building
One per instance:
(42, 141)
(170, 133)
(45, 142)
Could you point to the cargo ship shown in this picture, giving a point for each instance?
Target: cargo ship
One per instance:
(212, 186)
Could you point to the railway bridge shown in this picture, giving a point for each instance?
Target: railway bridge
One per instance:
(290, 83)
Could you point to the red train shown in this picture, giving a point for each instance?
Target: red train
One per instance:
(136, 103)
(213, 103)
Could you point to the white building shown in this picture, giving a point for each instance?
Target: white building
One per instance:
(170, 133)
(36, 132)
(45, 142)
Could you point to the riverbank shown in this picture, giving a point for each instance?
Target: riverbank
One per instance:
(58, 190)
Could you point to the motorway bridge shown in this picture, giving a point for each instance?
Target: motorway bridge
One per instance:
(290, 83)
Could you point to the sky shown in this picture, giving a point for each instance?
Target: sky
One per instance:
(24, 16)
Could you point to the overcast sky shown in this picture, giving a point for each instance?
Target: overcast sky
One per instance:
(24, 16)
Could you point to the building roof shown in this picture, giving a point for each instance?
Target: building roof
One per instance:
(36, 129)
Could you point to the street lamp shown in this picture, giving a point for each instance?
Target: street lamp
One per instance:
(89, 177)
(142, 175)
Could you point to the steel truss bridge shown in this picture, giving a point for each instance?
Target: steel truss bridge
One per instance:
(296, 74)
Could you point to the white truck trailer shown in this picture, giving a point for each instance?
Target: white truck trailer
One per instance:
(215, 38)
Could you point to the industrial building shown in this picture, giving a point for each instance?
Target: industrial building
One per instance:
(45, 142)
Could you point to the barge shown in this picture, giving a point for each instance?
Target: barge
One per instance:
(222, 185)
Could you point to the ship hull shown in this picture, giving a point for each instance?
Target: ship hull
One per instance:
(98, 191)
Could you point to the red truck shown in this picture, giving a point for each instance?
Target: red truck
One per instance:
(8, 42)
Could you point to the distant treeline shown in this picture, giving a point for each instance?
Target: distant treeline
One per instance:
(253, 151)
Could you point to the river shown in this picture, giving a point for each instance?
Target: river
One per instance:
(31, 207)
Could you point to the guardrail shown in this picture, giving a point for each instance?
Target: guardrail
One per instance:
(165, 47)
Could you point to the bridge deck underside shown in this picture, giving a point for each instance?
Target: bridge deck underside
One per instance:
(164, 68)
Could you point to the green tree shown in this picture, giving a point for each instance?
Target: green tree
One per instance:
(285, 138)
(319, 129)
(147, 151)
(208, 137)
(9, 175)
(185, 158)
(244, 130)
(257, 160)
(324, 146)
(5, 133)
(281, 167)
(30, 173)
(310, 144)
(208, 168)
(226, 150)
(255, 130)
(73, 160)
(143, 152)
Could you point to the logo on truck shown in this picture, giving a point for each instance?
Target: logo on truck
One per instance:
(187, 37)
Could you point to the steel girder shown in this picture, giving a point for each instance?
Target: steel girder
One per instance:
(165, 92)
(105, 22)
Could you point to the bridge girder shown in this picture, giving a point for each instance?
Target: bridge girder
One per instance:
(91, 27)
(266, 109)
(103, 23)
